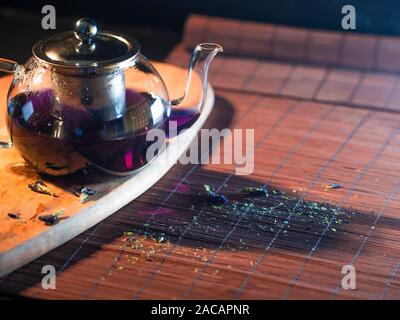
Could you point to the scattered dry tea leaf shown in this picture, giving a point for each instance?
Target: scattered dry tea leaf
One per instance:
(14, 215)
(161, 238)
(332, 186)
(214, 197)
(51, 219)
(40, 187)
(84, 193)
(254, 191)
(143, 245)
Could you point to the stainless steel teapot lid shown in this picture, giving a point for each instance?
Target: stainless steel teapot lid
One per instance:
(86, 48)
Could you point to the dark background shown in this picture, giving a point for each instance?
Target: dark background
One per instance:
(158, 24)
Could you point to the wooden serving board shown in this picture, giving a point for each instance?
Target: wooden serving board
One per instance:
(23, 240)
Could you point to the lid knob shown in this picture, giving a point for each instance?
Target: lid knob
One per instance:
(85, 31)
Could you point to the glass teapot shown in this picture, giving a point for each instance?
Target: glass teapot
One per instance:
(71, 104)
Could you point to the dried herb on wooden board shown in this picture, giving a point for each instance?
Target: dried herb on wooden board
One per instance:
(52, 219)
(214, 197)
(13, 215)
(40, 187)
(16, 216)
(84, 193)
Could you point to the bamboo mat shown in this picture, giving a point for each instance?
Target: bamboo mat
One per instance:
(320, 116)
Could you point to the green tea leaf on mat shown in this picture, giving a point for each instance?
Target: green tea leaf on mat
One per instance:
(254, 191)
(333, 186)
(214, 197)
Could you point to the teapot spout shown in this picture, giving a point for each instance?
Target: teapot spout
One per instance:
(200, 61)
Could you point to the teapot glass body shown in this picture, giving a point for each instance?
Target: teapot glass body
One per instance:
(61, 123)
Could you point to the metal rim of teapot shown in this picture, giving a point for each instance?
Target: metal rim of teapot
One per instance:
(84, 67)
